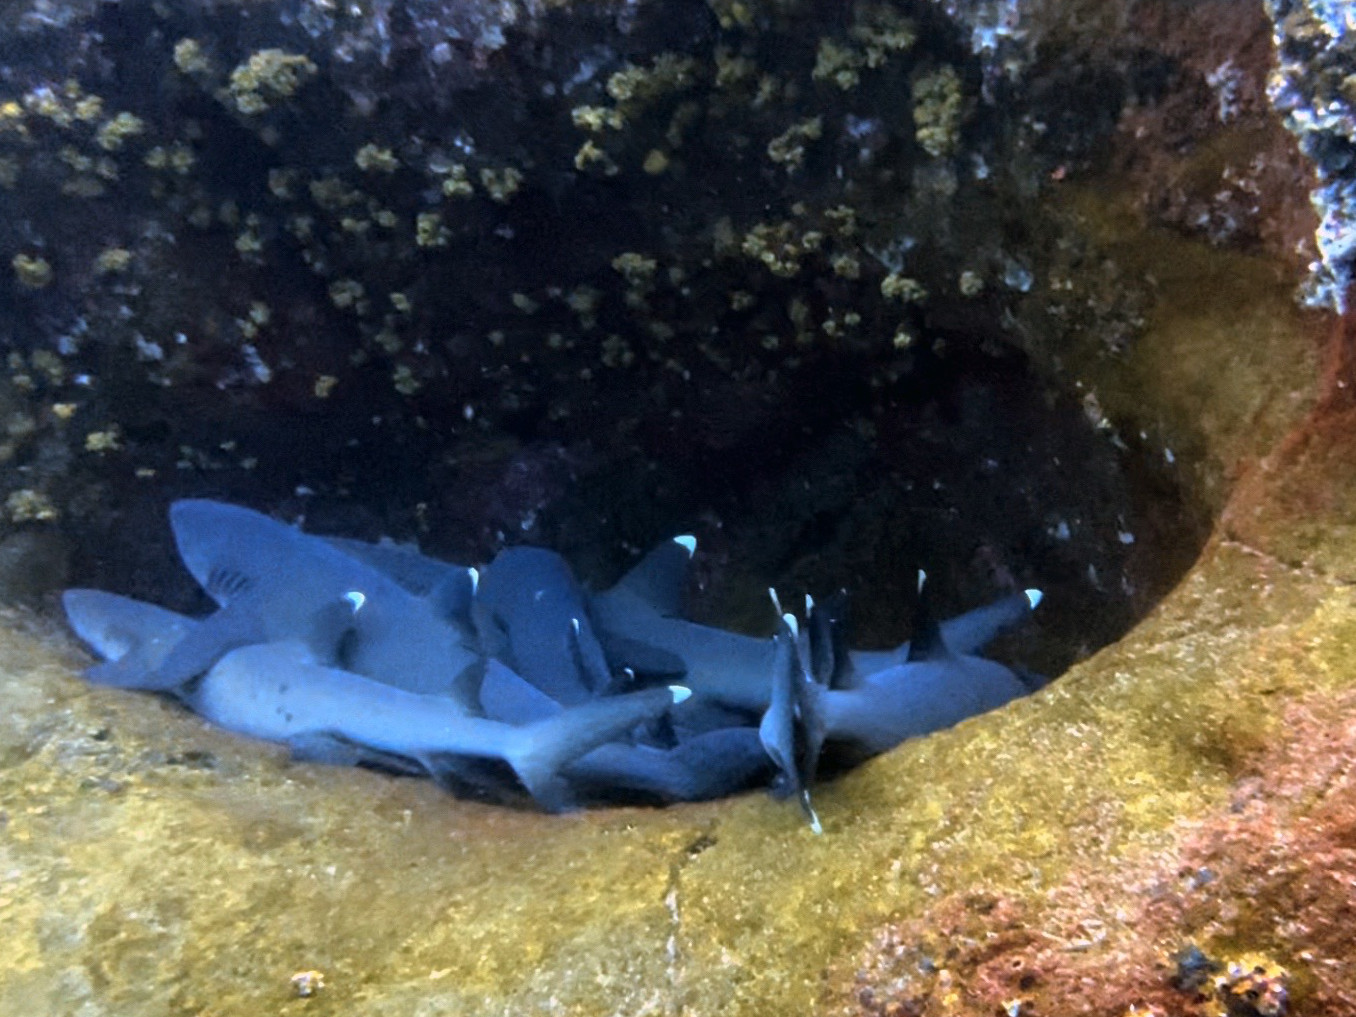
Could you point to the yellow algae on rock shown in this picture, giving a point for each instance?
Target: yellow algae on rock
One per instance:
(32, 271)
(268, 77)
(937, 105)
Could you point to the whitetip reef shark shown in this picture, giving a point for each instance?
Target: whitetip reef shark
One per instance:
(350, 652)
(278, 691)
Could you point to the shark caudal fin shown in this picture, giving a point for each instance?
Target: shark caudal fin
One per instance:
(792, 728)
(541, 750)
(133, 637)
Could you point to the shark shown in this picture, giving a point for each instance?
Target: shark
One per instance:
(531, 613)
(646, 607)
(274, 582)
(350, 652)
(279, 691)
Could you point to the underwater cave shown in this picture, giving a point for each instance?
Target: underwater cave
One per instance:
(592, 291)
(1026, 295)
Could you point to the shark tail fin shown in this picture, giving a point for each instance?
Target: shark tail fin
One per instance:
(133, 637)
(792, 728)
(539, 751)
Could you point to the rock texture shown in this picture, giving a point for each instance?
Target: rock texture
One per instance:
(1190, 785)
(1166, 829)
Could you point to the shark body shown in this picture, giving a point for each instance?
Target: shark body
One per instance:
(373, 653)
(280, 692)
(275, 583)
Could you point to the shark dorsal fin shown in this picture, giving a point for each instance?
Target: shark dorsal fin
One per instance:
(830, 663)
(453, 595)
(926, 643)
(333, 628)
(660, 579)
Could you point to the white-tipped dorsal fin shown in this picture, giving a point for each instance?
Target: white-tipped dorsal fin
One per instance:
(789, 620)
(659, 580)
(922, 580)
(809, 605)
(1034, 598)
(681, 693)
(357, 598)
(776, 603)
(474, 573)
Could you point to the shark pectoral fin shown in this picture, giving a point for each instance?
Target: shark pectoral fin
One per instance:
(660, 579)
(334, 750)
(707, 766)
(508, 697)
(314, 747)
(491, 634)
(465, 687)
(539, 751)
(127, 672)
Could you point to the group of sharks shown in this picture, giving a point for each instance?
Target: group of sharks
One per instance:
(514, 677)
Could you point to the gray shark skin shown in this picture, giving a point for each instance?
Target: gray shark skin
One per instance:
(373, 653)
(277, 692)
(709, 765)
(416, 573)
(936, 687)
(531, 613)
(917, 698)
(643, 608)
(735, 669)
(275, 582)
(702, 765)
(132, 637)
(966, 634)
